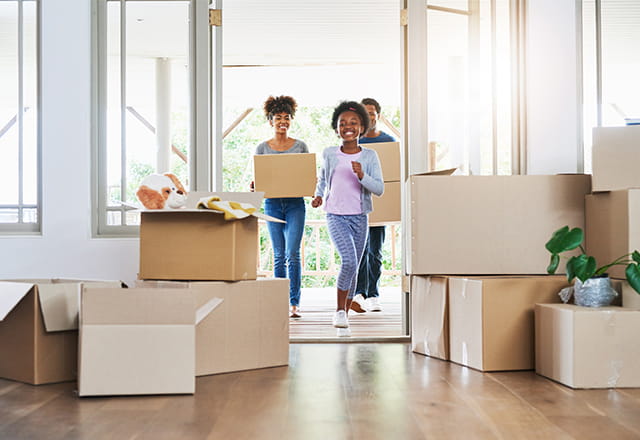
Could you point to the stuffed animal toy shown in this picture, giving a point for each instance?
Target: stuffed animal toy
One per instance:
(162, 191)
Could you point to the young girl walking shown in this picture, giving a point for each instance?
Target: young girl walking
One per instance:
(349, 175)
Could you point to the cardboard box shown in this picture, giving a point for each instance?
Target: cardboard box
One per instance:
(138, 341)
(630, 298)
(483, 225)
(249, 330)
(588, 347)
(38, 329)
(491, 323)
(199, 244)
(612, 227)
(389, 155)
(615, 153)
(430, 316)
(285, 175)
(386, 209)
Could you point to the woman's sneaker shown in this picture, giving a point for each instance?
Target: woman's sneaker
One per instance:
(340, 319)
(374, 304)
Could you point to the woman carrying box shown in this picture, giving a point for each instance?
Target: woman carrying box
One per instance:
(285, 237)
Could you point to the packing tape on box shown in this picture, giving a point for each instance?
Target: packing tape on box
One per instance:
(425, 343)
(465, 354)
(615, 368)
(609, 318)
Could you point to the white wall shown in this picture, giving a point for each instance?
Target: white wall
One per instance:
(66, 248)
(553, 119)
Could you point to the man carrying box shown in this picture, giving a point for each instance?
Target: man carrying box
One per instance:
(367, 295)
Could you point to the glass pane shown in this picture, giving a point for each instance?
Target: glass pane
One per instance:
(620, 61)
(157, 90)
(589, 78)
(447, 89)
(462, 5)
(503, 87)
(30, 96)
(8, 216)
(9, 138)
(113, 122)
(30, 216)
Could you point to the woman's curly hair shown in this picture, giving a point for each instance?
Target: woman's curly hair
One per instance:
(280, 104)
(352, 106)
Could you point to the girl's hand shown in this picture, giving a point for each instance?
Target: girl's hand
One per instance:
(316, 202)
(357, 168)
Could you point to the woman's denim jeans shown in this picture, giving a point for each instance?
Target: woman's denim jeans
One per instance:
(286, 239)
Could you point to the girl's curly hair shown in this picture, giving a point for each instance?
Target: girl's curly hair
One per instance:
(280, 104)
(352, 106)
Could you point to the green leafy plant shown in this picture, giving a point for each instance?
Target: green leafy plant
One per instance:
(584, 266)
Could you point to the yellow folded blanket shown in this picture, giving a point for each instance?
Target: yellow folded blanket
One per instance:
(232, 210)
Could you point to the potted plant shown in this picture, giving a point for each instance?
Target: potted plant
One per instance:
(592, 287)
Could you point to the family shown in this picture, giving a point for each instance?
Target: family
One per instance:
(349, 176)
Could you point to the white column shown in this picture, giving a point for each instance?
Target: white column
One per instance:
(163, 114)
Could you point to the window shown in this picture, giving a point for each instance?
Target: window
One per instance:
(144, 101)
(611, 65)
(470, 67)
(19, 118)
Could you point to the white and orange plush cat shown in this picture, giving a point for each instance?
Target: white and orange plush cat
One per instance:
(162, 191)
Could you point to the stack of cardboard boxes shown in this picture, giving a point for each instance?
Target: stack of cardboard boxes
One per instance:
(478, 263)
(598, 347)
(197, 309)
(387, 208)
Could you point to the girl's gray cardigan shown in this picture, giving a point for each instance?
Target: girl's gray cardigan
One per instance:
(371, 182)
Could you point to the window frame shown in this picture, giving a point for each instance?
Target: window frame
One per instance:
(200, 169)
(22, 228)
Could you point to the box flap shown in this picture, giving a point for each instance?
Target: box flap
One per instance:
(207, 308)
(255, 197)
(10, 295)
(59, 301)
(140, 306)
(193, 198)
(447, 172)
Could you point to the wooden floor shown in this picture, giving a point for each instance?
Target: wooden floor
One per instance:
(318, 307)
(333, 391)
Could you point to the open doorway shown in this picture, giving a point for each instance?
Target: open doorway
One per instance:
(321, 53)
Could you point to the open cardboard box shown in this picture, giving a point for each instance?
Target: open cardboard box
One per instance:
(285, 175)
(38, 328)
(199, 244)
(139, 341)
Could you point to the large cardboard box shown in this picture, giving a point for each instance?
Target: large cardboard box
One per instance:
(630, 298)
(588, 347)
(199, 244)
(612, 227)
(491, 323)
(615, 154)
(389, 155)
(430, 316)
(138, 341)
(285, 175)
(38, 329)
(249, 330)
(386, 208)
(479, 225)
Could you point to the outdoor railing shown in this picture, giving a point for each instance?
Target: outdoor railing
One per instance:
(318, 255)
